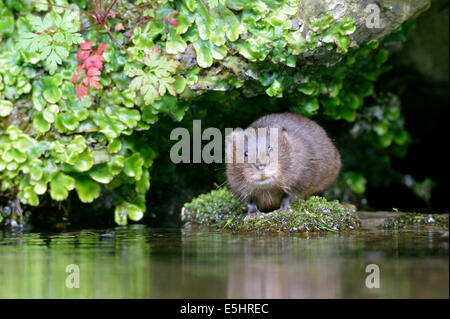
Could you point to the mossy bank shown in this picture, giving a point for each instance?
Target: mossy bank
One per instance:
(220, 210)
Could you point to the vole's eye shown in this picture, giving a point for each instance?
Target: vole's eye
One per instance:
(246, 154)
(269, 149)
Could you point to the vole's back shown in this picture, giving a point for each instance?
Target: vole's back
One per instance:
(312, 163)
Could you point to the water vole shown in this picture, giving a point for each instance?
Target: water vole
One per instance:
(294, 159)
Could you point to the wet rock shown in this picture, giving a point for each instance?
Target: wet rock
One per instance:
(364, 13)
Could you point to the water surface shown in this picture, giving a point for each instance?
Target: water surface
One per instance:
(140, 262)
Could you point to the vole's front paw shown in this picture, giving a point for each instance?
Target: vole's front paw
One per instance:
(253, 215)
(285, 205)
(283, 209)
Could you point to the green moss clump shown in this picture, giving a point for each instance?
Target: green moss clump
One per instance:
(412, 219)
(220, 210)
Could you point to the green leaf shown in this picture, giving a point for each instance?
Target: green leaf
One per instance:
(60, 185)
(100, 173)
(129, 117)
(275, 89)
(84, 161)
(14, 154)
(52, 46)
(204, 55)
(381, 127)
(31, 198)
(36, 171)
(156, 79)
(50, 112)
(6, 108)
(143, 184)
(120, 215)
(148, 115)
(296, 42)
(310, 106)
(127, 210)
(307, 88)
(6, 22)
(180, 84)
(356, 181)
(171, 106)
(87, 189)
(114, 146)
(401, 137)
(133, 166)
(175, 44)
(51, 91)
(40, 124)
(116, 164)
(65, 122)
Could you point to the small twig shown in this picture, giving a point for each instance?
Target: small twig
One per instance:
(109, 9)
(88, 27)
(95, 9)
(112, 36)
(135, 7)
(129, 33)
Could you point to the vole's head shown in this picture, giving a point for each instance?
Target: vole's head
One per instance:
(256, 155)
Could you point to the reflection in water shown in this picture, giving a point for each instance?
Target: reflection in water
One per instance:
(138, 262)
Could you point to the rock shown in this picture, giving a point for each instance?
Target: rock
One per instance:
(392, 13)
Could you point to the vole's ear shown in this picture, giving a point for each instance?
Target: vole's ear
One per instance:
(233, 140)
(280, 130)
(283, 129)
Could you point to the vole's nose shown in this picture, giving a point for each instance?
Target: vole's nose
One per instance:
(260, 167)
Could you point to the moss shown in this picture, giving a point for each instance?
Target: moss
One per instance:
(413, 219)
(220, 210)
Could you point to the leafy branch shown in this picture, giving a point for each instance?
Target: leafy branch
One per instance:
(156, 78)
(52, 37)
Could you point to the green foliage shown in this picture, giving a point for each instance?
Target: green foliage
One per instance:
(6, 21)
(156, 78)
(51, 37)
(356, 181)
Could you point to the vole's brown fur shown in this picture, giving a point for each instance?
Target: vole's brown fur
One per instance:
(308, 163)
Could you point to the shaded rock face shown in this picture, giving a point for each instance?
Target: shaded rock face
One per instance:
(364, 13)
(427, 48)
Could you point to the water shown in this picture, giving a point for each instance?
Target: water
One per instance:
(141, 262)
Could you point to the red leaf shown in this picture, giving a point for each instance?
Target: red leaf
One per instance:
(86, 45)
(75, 78)
(94, 61)
(93, 83)
(82, 55)
(102, 48)
(93, 72)
(174, 22)
(166, 19)
(81, 91)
